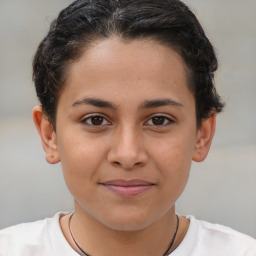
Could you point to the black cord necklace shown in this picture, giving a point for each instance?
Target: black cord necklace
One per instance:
(174, 236)
(83, 253)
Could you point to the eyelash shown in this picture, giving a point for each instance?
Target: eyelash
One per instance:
(167, 120)
(104, 122)
(85, 120)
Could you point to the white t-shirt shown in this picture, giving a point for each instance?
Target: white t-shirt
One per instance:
(45, 238)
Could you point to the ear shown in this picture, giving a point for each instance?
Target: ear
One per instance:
(47, 134)
(204, 139)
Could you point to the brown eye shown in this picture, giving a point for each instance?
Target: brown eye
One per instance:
(95, 121)
(159, 121)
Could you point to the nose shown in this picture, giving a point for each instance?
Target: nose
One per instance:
(127, 149)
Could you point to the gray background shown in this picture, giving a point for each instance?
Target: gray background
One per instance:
(221, 189)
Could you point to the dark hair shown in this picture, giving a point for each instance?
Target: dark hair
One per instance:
(169, 22)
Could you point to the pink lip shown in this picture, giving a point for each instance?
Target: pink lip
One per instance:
(128, 188)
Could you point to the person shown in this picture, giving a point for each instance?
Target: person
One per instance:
(127, 103)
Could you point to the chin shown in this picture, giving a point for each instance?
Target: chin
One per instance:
(127, 222)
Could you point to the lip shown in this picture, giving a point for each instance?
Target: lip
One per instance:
(128, 188)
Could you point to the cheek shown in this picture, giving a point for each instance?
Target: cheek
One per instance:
(80, 157)
(173, 159)
(80, 164)
(174, 153)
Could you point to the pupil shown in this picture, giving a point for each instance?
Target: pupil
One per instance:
(158, 120)
(97, 120)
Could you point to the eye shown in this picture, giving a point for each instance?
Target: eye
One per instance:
(160, 120)
(95, 120)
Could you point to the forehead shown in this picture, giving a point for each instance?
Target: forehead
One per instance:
(135, 69)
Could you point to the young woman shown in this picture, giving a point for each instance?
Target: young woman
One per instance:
(127, 102)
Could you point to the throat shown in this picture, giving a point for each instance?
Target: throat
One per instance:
(150, 241)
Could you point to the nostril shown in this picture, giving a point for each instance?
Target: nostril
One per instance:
(116, 163)
(126, 166)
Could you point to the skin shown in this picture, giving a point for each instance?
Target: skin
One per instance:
(145, 129)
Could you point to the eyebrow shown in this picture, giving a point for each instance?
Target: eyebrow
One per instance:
(95, 102)
(159, 103)
(145, 105)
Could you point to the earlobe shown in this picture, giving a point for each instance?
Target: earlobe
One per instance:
(47, 135)
(204, 139)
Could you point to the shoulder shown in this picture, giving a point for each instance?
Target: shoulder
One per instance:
(228, 240)
(222, 232)
(29, 238)
(205, 238)
(25, 229)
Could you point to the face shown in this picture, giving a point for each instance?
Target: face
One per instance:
(126, 132)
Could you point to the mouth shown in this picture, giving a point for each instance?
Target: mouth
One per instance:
(128, 188)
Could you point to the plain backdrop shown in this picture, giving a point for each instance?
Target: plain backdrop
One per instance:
(222, 189)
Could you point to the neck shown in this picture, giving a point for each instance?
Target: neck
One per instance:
(97, 239)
